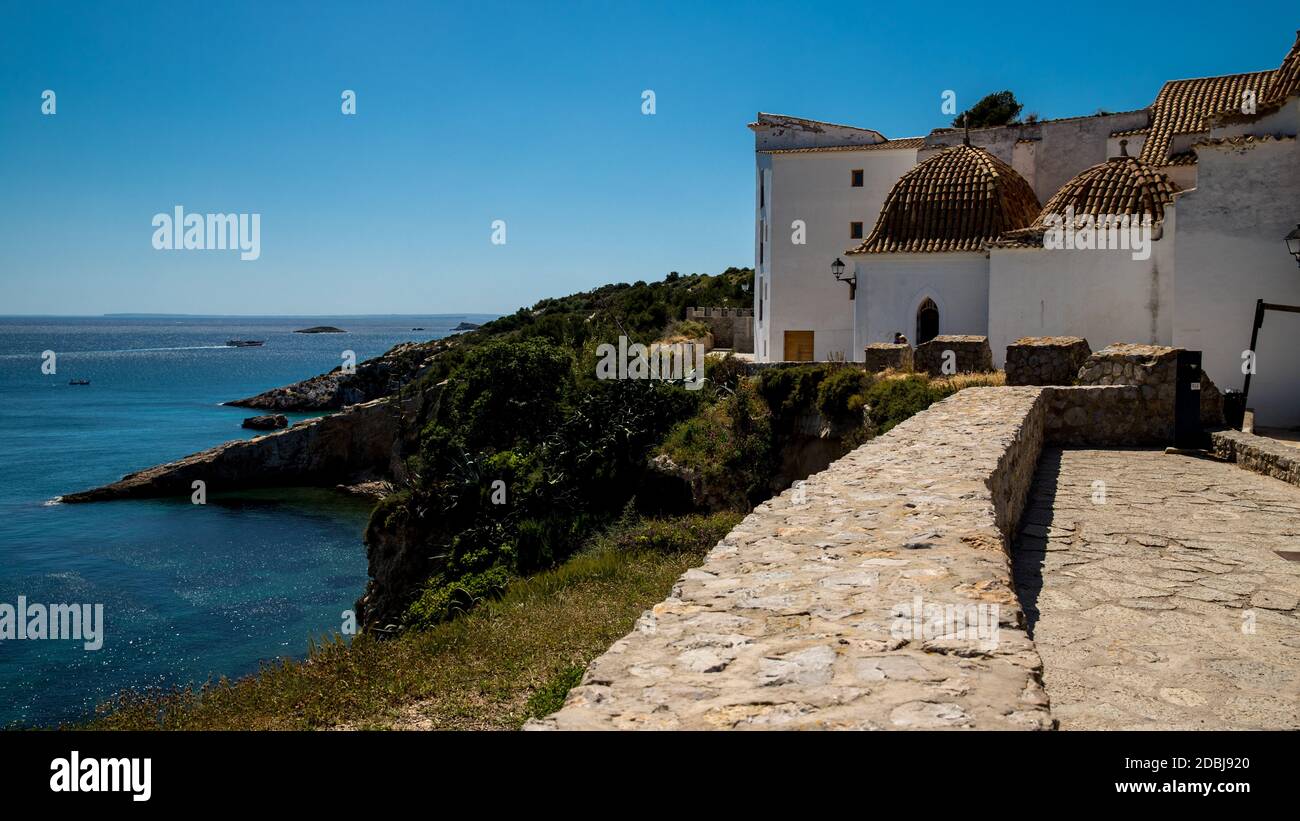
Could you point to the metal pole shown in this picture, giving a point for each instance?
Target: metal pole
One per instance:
(1254, 340)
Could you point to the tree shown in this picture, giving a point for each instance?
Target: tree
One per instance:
(999, 108)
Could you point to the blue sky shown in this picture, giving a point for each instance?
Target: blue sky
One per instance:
(473, 112)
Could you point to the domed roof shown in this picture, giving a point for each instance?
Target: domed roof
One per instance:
(1121, 186)
(958, 200)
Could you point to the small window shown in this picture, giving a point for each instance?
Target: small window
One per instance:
(857, 178)
(855, 230)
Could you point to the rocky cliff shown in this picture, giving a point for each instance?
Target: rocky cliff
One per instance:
(363, 443)
(374, 378)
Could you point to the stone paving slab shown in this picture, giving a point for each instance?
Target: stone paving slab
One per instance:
(1156, 598)
(830, 605)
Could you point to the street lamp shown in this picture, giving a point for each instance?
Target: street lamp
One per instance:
(837, 271)
(1293, 243)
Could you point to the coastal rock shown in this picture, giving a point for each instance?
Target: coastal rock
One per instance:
(321, 329)
(268, 422)
(374, 378)
(364, 443)
(467, 326)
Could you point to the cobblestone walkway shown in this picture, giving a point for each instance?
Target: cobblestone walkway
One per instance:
(1154, 593)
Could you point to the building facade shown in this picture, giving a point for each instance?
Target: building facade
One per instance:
(1162, 225)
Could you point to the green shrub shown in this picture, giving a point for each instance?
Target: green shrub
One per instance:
(730, 446)
(891, 401)
(791, 391)
(688, 328)
(550, 696)
(441, 602)
(837, 391)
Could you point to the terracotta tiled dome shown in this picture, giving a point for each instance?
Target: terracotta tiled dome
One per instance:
(958, 200)
(1121, 186)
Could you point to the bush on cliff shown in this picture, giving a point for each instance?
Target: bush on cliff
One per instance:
(526, 456)
(729, 447)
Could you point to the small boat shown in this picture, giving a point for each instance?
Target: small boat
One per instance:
(78, 381)
(245, 343)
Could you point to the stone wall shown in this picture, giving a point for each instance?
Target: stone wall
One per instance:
(1046, 360)
(972, 353)
(879, 356)
(1110, 415)
(732, 327)
(1153, 371)
(815, 612)
(1259, 454)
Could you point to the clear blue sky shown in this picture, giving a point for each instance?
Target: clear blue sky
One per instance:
(471, 112)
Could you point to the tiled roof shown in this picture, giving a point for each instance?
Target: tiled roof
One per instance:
(1118, 187)
(1182, 158)
(1184, 106)
(957, 200)
(1286, 80)
(1121, 186)
(1246, 139)
(1131, 132)
(905, 142)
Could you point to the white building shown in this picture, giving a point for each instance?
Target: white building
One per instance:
(954, 241)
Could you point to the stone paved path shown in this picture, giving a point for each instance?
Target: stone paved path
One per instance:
(1142, 594)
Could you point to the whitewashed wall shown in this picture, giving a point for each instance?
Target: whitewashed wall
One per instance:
(1230, 252)
(1102, 296)
(892, 286)
(816, 188)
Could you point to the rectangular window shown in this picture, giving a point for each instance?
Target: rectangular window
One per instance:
(855, 230)
(857, 178)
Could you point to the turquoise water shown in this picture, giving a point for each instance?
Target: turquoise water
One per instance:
(189, 591)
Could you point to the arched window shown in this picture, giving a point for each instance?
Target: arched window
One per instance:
(927, 321)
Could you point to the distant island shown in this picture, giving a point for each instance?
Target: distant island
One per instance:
(467, 326)
(321, 329)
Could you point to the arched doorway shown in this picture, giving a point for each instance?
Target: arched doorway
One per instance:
(927, 321)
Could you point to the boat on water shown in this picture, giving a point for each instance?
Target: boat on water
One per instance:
(78, 381)
(245, 343)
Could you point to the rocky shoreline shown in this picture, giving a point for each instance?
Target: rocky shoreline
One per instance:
(359, 448)
(374, 378)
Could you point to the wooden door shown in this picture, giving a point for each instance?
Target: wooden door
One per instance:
(798, 346)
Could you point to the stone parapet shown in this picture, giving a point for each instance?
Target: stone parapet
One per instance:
(822, 609)
(1046, 360)
(1259, 454)
(880, 356)
(732, 328)
(970, 354)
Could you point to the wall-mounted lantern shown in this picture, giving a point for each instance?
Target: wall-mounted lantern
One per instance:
(837, 271)
(1293, 243)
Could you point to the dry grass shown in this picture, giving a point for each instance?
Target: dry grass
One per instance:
(480, 671)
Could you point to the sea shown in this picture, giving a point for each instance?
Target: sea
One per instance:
(190, 593)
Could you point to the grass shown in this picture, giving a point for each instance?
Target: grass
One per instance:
(504, 662)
